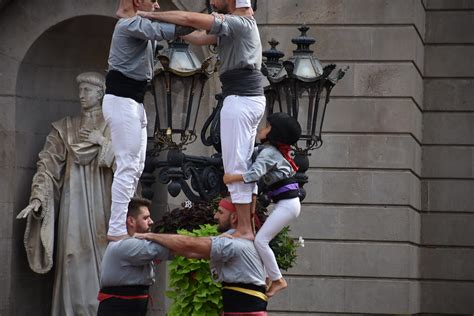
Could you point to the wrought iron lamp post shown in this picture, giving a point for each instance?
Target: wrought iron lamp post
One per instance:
(301, 87)
(177, 86)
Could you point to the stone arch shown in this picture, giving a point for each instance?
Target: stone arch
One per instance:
(46, 91)
(43, 52)
(45, 44)
(45, 87)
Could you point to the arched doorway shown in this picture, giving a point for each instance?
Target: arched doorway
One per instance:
(46, 91)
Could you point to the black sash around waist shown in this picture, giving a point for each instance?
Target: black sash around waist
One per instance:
(242, 82)
(283, 190)
(126, 290)
(238, 302)
(120, 85)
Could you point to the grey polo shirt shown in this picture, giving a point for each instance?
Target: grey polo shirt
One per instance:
(238, 42)
(131, 51)
(130, 262)
(236, 261)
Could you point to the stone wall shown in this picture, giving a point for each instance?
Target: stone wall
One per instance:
(388, 219)
(361, 219)
(366, 220)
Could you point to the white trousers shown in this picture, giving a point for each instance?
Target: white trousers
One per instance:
(240, 117)
(127, 121)
(283, 214)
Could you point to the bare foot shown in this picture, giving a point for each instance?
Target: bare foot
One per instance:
(268, 283)
(276, 286)
(247, 235)
(116, 238)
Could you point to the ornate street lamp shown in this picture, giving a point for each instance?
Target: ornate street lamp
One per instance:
(301, 87)
(177, 87)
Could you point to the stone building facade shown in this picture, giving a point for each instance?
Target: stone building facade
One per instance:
(389, 216)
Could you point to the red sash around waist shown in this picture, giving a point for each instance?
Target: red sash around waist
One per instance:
(104, 296)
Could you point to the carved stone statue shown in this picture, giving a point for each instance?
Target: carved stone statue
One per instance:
(71, 192)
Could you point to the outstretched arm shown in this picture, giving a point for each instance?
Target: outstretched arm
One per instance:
(200, 38)
(187, 246)
(35, 206)
(193, 19)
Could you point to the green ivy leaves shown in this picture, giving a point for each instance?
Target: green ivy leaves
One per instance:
(191, 286)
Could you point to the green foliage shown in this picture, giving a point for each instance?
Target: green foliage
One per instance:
(192, 289)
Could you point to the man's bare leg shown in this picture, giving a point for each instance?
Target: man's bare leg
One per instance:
(244, 226)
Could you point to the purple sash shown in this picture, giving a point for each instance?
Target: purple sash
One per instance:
(285, 188)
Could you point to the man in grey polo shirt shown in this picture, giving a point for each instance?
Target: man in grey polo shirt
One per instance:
(234, 29)
(233, 261)
(130, 68)
(127, 266)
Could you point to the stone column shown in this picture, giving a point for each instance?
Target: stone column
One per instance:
(447, 255)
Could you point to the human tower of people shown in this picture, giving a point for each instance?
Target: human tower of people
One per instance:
(241, 260)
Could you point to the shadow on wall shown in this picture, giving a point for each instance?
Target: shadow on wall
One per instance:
(46, 92)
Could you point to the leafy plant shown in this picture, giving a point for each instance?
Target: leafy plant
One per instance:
(191, 286)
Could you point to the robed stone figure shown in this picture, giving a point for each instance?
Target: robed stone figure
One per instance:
(71, 192)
